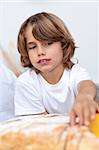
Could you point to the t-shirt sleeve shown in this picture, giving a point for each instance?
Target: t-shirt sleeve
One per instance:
(27, 99)
(78, 74)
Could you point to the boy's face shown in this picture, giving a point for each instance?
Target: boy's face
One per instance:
(44, 55)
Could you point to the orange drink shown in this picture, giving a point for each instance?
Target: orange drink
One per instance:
(94, 125)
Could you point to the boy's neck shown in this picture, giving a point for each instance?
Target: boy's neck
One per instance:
(53, 77)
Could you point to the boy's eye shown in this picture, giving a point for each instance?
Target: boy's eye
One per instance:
(46, 43)
(33, 47)
(49, 43)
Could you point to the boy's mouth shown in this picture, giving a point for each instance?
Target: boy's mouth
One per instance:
(43, 61)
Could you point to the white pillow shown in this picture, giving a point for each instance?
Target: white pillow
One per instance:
(7, 87)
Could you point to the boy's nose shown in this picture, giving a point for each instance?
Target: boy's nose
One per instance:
(41, 51)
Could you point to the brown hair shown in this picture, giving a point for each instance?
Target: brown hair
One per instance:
(48, 27)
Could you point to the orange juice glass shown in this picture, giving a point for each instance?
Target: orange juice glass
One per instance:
(94, 125)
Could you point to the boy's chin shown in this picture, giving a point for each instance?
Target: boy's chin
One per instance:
(45, 70)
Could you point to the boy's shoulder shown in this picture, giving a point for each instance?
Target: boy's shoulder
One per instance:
(28, 76)
(77, 68)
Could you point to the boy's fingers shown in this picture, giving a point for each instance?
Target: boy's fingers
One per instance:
(72, 118)
(86, 117)
(81, 118)
(92, 113)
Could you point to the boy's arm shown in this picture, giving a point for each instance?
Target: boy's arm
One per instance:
(85, 107)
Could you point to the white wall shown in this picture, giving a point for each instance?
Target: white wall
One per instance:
(98, 45)
(80, 17)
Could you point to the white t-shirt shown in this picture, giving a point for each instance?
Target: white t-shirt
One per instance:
(35, 95)
(7, 87)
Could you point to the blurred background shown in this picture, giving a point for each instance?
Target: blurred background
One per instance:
(82, 19)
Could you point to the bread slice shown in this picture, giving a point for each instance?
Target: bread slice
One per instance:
(45, 132)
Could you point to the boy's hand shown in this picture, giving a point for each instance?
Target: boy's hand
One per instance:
(85, 109)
